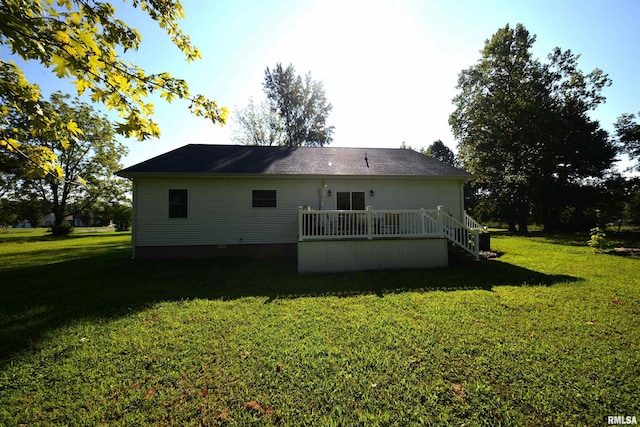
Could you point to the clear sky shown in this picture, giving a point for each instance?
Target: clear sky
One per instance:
(389, 67)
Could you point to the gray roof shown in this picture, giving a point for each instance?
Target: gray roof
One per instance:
(249, 160)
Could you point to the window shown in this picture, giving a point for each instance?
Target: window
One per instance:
(263, 199)
(354, 201)
(178, 203)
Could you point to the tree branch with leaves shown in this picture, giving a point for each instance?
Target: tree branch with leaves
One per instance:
(88, 163)
(81, 40)
(628, 133)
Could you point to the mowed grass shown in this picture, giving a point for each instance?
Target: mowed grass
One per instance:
(546, 334)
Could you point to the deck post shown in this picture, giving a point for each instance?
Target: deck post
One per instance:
(476, 244)
(440, 220)
(300, 229)
(369, 223)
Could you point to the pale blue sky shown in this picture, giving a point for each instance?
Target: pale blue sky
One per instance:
(389, 67)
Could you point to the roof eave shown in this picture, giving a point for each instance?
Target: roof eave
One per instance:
(133, 175)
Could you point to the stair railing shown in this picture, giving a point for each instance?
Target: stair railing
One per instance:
(471, 223)
(459, 234)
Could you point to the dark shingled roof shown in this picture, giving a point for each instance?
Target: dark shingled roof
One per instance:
(249, 160)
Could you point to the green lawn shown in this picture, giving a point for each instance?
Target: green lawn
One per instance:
(546, 334)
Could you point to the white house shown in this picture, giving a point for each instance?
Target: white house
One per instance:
(49, 220)
(336, 209)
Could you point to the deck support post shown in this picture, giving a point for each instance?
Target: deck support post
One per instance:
(476, 241)
(300, 221)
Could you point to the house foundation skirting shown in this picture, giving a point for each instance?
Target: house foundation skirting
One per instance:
(275, 250)
(330, 256)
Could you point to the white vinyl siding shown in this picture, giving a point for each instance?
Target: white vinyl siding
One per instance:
(399, 193)
(221, 211)
(334, 256)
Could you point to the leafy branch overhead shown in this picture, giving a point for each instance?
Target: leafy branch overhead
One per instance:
(81, 40)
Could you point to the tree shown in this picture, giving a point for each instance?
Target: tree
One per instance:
(259, 124)
(492, 131)
(441, 152)
(523, 127)
(84, 41)
(631, 210)
(88, 162)
(302, 105)
(120, 214)
(437, 150)
(628, 133)
(8, 213)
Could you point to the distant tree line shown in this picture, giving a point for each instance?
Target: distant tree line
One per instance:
(34, 212)
(614, 199)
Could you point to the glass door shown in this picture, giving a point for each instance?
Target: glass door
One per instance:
(351, 223)
(350, 201)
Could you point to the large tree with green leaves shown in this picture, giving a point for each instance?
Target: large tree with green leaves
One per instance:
(441, 152)
(85, 41)
(523, 127)
(302, 105)
(88, 162)
(628, 132)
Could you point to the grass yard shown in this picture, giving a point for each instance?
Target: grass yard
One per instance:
(546, 334)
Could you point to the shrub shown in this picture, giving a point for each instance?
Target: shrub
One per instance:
(122, 218)
(62, 230)
(598, 240)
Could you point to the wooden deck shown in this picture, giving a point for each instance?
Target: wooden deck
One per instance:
(433, 226)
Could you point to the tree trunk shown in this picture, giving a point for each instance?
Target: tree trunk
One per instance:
(523, 227)
(60, 226)
(550, 222)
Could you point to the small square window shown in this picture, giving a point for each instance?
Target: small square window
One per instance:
(178, 203)
(263, 199)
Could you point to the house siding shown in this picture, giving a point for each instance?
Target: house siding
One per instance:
(399, 193)
(220, 211)
(358, 255)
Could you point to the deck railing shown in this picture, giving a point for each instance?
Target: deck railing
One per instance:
(471, 223)
(376, 224)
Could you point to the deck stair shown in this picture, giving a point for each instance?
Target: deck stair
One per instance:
(458, 256)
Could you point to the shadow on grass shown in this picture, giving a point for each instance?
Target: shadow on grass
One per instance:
(108, 284)
(40, 235)
(630, 239)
